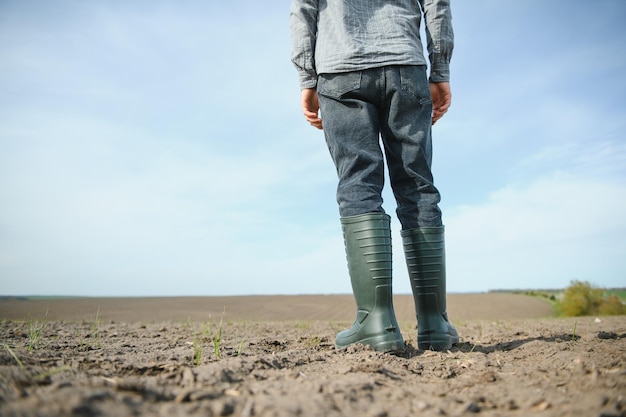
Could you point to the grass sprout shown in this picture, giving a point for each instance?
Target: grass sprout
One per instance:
(19, 362)
(35, 332)
(197, 351)
(240, 348)
(52, 372)
(42, 375)
(206, 331)
(217, 339)
(95, 328)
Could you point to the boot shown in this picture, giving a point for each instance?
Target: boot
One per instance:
(424, 249)
(367, 239)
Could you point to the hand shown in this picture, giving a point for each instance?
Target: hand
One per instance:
(442, 97)
(310, 107)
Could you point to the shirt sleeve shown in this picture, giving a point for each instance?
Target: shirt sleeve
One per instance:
(440, 37)
(303, 28)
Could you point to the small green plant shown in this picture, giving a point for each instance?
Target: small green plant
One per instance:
(313, 342)
(52, 372)
(303, 325)
(42, 375)
(19, 362)
(217, 339)
(95, 329)
(206, 331)
(79, 334)
(93, 333)
(35, 330)
(573, 336)
(240, 348)
(188, 325)
(197, 351)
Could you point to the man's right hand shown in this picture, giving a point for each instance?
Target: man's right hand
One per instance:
(311, 107)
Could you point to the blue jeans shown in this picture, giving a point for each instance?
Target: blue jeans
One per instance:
(393, 103)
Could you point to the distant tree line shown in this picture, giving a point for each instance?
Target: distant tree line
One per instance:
(581, 299)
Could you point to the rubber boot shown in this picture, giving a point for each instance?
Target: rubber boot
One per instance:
(367, 239)
(424, 249)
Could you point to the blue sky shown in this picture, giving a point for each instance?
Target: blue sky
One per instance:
(157, 148)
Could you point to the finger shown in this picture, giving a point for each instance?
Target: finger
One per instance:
(313, 120)
(437, 115)
(316, 123)
(443, 107)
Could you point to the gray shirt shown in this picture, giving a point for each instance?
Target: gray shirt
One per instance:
(333, 36)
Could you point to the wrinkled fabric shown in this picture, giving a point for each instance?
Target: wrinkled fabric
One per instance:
(336, 36)
(392, 103)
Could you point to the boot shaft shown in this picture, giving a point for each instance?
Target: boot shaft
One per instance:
(367, 241)
(424, 250)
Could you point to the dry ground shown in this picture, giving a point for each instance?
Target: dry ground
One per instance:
(274, 356)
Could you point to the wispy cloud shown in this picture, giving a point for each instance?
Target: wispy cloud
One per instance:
(544, 233)
(152, 148)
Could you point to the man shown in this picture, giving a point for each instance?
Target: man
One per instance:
(361, 65)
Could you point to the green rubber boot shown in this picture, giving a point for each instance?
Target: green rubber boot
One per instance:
(368, 250)
(424, 249)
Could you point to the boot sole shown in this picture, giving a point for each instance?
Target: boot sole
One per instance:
(379, 343)
(437, 342)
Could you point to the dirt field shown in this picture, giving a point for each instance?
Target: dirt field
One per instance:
(274, 356)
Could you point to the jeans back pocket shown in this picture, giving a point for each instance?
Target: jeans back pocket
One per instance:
(337, 85)
(414, 83)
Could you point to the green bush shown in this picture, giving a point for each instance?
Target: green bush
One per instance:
(612, 306)
(582, 299)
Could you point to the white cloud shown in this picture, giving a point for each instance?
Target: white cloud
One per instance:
(545, 233)
(90, 207)
(147, 148)
(600, 157)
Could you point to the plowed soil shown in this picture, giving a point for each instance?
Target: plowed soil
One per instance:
(274, 356)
